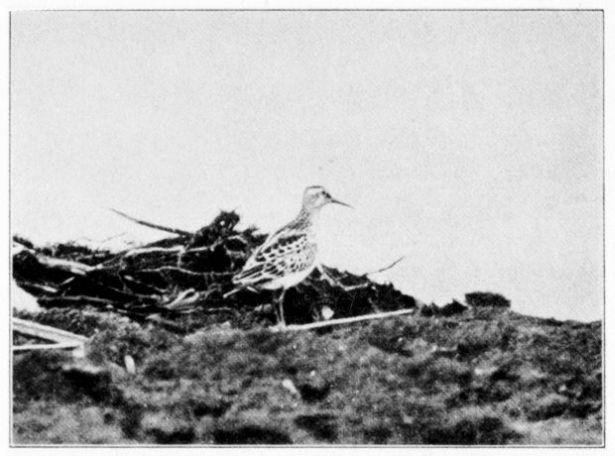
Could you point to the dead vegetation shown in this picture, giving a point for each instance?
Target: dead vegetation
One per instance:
(180, 282)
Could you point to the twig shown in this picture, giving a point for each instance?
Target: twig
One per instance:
(165, 269)
(153, 225)
(75, 267)
(237, 290)
(45, 332)
(57, 301)
(386, 268)
(72, 266)
(183, 300)
(39, 287)
(336, 283)
(199, 249)
(23, 241)
(143, 250)
(128, 278)
(343, 321)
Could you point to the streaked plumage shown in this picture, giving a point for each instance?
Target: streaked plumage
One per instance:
(289, 255)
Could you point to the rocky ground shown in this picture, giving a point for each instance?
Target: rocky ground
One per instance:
(208, 370)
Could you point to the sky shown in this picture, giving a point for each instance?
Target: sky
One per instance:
(469, 142)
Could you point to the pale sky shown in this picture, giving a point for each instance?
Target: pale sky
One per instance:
(471, 142)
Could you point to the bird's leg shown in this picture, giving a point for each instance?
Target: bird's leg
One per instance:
(281, 320)
(276, 311)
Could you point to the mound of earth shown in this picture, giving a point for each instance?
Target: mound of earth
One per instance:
(475, 377)
(170, 360)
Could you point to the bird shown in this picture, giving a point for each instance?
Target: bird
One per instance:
(289, 255)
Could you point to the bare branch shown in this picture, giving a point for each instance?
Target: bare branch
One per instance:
(23, 241)
(133, 281)
(184, 300)
(336, 283)
(72, 266)
(142, 250)
(38, 287)
(58, 301)
(237, 290)
(163, 269)
(386, 268)
(344, 321)
(153, 225)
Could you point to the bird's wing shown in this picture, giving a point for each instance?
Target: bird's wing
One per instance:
(285, 252)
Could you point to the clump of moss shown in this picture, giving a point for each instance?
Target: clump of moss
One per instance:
(479, 299)
(470, 427)
(37, 375)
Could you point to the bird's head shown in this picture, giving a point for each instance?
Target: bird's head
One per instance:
(316, 197)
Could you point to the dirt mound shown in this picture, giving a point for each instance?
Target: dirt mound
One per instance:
(208, 371)
(461, 379)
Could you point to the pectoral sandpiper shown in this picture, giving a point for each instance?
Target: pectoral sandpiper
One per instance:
(289, 255)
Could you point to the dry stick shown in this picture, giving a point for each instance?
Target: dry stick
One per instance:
(131, 279)
(77, 299)
(39, 287)
(336, 283)
(184, 299)
(74, 267)
(168, 269)
(23, 241)
(343, 321)
(153, 225)
(144, 250)
(163, 269)
(71, 266)
(386, 268)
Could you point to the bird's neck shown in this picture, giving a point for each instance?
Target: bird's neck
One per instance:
(307, 218)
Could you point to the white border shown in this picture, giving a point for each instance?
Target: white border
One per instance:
(316, 4)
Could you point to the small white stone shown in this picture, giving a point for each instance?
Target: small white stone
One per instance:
(129, 362)
(288, 385)
(327, 313)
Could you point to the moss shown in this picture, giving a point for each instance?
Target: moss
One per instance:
(486, 299)
(162, 427)
(472, 426)
(375, 382)
(323, 426)
(250, 429)
(38, 376)
(59, 423)
(128, 338)
(547, 407)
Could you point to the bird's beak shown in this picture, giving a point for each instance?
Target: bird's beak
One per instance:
(333, 200)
